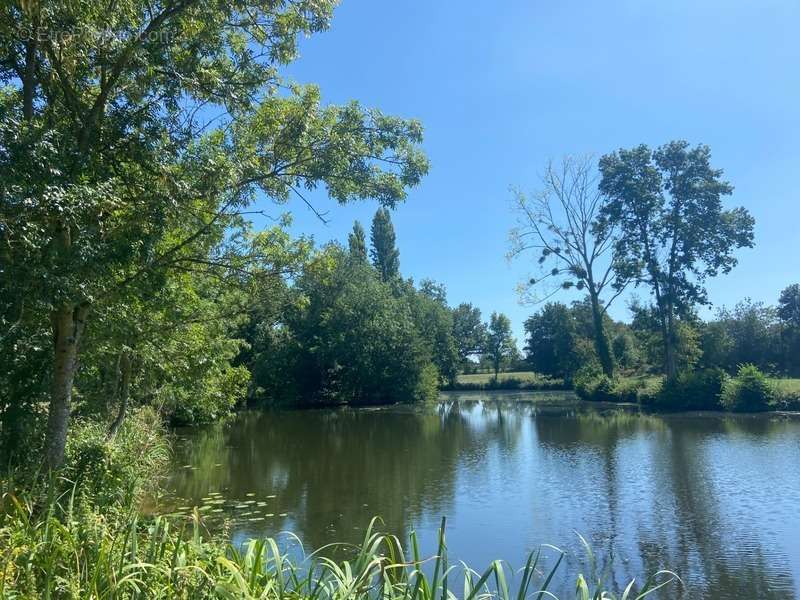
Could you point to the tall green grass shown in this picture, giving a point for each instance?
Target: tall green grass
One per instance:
(57, 551)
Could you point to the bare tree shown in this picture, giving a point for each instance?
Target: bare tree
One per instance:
(559, 223)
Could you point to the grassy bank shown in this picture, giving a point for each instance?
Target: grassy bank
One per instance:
(83, 537)
(521, 380)
(787, 391)
(702, 390)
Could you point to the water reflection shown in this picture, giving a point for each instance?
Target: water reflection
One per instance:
(712, 497)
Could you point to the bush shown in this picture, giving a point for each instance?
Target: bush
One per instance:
(428, 387)
(749, 391)
(601, 388)
(115, 472)
(693, 390)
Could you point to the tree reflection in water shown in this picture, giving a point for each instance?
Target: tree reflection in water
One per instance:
(711, 497)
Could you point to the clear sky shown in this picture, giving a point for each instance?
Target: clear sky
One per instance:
(501, 87)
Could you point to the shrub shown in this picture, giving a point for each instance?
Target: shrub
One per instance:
(597, 388)
(749, 391)
(428, 386)
(113, 472)
(601, 388)
(693, 390)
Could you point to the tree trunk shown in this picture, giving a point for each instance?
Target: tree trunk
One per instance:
(670, 360)
(123, 393)
(29, 79)
(68, 323)
(600, 340)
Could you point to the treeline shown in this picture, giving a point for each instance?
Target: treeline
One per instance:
(559, 339)
(353, 330)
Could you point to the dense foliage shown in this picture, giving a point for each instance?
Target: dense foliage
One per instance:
(348, 336)
(674, 232)
(749, 391)
(132, 142)
(354, 333)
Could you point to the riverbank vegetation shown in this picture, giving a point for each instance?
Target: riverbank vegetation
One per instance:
(81, 535)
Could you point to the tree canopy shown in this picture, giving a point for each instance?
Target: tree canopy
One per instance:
(384, 252)
(674, 231)
(129, 155)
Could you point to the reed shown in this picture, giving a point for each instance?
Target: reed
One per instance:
(62, 550)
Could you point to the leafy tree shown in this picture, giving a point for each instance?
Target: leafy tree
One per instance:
(348, 339)
(626, 350)
(434, 321)
(789, 305)
(123, 153)
(716, 344)
(673, 231)
(384, 253)
(552, 341)
(469, 331)
(789, 315)
(357, 241)
(500, 344)
(752, 334)
(560, 223)
(646, 327)
(434, 291)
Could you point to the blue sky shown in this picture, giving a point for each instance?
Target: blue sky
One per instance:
(503, 87)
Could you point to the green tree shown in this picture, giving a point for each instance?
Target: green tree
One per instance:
(626, 350)
(789, 305)
(789, 315)
(560, 224)
(469, 331)
(349, 338)
(500, 344)
(552, 341)
(673, 231)
(357, 242)
(753, 333)
(647, 328)
(434, 321)
(384, 253)
(121, 151)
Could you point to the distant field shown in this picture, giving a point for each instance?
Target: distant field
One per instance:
(482, 378)
(785, 388)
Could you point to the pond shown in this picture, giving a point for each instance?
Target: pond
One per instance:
(715, 498)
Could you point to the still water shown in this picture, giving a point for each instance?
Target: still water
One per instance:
(715, 498)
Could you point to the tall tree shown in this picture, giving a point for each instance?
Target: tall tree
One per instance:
(357, 242)
(469, 331)
(121, 152)
(552, 341)
(434, 320)
(500, 344)
(674, 232)
(560, 224)
(384, 252)
(789, 314)
(789, 305)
